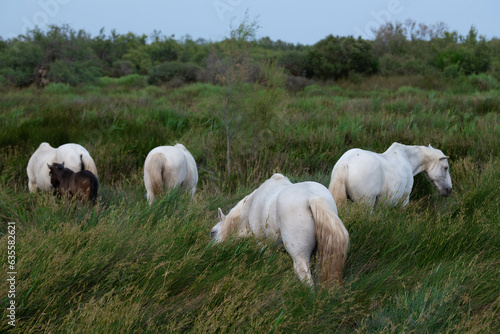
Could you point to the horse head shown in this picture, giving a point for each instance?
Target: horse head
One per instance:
(229, 224)
(55, 171)
(439, 173)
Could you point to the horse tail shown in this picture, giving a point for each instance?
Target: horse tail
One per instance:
(87, 163)
(332, 240)
(337, 184)
(155, 169)
(82, 165)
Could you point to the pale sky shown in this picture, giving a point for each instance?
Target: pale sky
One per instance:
(293, 21)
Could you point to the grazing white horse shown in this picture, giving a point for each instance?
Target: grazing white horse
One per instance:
(302, 216)
(74, 157)
(169, 167)
(387, 178)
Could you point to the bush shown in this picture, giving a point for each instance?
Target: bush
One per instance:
(451, 71)
(296, 84)
(74, 73)
(495, 69)
(483, 82)
(295, 62)
(123, 67)
(167, 71)
(334, 57)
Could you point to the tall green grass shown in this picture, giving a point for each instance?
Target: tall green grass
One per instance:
(124, 266)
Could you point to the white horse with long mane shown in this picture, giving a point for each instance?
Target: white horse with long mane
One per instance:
(302, 216)
(167, 167)
(74, 157)
(387, 178)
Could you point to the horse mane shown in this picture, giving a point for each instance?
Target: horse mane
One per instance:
(428, 154)
(431, 155)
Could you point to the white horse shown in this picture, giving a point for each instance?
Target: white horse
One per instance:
(387, 178)
(169, 167)
(302, 216)
(74, 157)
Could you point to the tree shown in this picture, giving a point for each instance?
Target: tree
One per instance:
(233, 68)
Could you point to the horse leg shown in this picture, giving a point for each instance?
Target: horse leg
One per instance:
(150, 196)
(300, 251)
(301, 267)
(32, 186)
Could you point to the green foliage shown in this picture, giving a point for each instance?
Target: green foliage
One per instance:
(166, 50)
(62, 54)
(74, 73)
(470, 57)
(483, 82)
(126, 82)
(123, 67)
(18, 62)
(59, 87)
(165, 72)
(294, 62)
(334, 57)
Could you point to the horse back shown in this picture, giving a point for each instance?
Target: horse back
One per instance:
(85, 182)
(363, 164)
(260, 208)
(70, 155)
(366, 174)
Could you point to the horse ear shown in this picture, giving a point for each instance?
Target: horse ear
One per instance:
(62, 164)
(445, 157)
(221, 215)
(49, 166)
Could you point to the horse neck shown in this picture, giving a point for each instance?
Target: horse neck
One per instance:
(419, 158)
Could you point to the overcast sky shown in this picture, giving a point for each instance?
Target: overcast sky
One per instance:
(293, 21)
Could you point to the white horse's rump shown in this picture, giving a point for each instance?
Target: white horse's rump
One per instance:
(302, 216)
(169, 167)
(388, 177)
(73, 156)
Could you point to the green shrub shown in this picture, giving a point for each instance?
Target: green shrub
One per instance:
(334, 57)
(294, 62)
(495, 69)
(167, 71)
(123, 67)
(451, 71)
(73, 73)
(483, 82)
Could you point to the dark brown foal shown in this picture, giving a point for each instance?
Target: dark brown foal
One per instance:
(82, 184)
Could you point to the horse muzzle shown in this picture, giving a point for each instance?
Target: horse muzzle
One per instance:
(446, 192)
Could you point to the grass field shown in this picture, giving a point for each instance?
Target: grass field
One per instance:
(430, 267)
